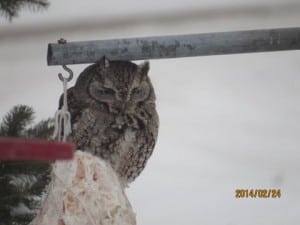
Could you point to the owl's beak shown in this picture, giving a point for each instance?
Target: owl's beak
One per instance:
(126, 107)
(122, 106)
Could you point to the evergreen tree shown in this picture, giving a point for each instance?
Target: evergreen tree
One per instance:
(10, 8)
(22, 182)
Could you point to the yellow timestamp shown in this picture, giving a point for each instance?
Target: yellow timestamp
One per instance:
(258, 193)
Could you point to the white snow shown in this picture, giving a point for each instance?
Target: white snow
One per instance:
(22, 181)
(21, 209)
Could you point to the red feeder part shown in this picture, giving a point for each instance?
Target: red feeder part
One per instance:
(28, 149)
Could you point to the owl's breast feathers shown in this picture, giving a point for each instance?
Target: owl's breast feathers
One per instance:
(126, 140)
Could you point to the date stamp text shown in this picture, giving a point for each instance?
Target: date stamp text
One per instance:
(258, 193)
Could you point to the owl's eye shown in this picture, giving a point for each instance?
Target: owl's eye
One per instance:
(139, 94)
(136, 91)
(107, 91)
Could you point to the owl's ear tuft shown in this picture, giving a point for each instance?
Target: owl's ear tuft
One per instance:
(144, 68)
(104, 62)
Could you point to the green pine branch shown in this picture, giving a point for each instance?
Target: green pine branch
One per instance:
(43, 130)
(22, 182)
(10, 8)
(16, 120)
(16, 123)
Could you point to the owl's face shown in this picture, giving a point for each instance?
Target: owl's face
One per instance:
(121, 85)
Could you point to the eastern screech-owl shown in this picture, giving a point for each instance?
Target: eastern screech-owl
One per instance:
(113, 115)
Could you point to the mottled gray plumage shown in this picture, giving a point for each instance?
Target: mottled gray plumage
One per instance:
(113, 113)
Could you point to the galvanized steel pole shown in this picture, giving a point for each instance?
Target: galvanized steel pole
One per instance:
(175, 46)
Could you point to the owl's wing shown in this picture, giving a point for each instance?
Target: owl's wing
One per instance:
(140, 150)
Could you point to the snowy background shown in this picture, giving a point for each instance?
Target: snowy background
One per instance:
(227, 122)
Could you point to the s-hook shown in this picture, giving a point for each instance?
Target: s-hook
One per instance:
(68, 79)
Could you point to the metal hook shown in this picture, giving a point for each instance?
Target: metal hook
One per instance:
(70, 74)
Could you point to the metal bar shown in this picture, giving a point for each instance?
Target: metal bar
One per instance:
(175, 46)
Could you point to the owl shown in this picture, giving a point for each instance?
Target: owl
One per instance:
(113, 115)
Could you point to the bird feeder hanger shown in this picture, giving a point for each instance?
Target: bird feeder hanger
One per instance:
(44, 150)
